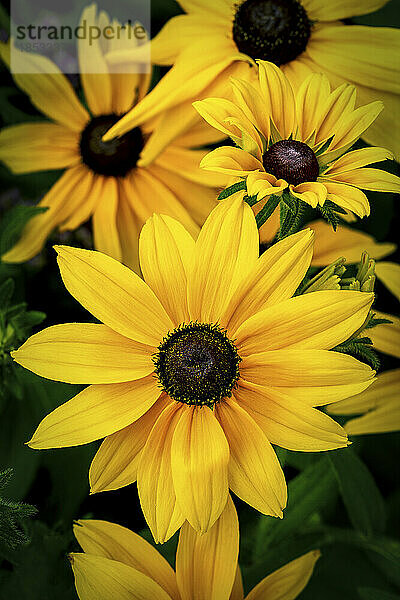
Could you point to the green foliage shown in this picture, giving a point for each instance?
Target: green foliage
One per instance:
(362, 349)
(361, 496)
(12, 516)
(232, 189)
(13, 223)
(331, 213)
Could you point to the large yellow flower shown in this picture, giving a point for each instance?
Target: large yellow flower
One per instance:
(378, 408)
(297, 142)
(102, 180)
(211, 41)
(118, 563)
(208, 346)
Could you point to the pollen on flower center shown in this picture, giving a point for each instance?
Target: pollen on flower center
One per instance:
(273, 30)
(292, 161)
(114, 158)
(197, 364)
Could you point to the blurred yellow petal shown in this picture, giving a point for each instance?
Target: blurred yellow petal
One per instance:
(94, 413)
(30, 147)
(66, 195)
(255, 474)
(386, 337)
(349, 243)
(97, 577)
(288, 422)
(48, 89)
(93, 69)
(226, 248)
(166, 255)
(340, 9)
(116, 462)
(199, 458)
(84, 353)
(155, 484)
(109, 540)
(113, 294)
(287, 582)
(275, 276)
(206, 564)
(317, 320)
(389, 274)
(105, 231)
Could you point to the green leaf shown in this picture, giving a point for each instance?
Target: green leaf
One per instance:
(232, 189)
(12, 516)
(13, 223)
(364, 503)
(374, 594)
(308, 493)
(267, 210)
(6, 292)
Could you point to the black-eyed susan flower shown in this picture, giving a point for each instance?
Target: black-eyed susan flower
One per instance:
(300, 37)
(209, 345)
(297, 143)
(118, 563)
(101, 180)
(377, 409)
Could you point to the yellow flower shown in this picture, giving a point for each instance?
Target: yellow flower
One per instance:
(208, 346)
(118, 563)
(297, 142)
(220, 38)
(378, 407)
(102, 181)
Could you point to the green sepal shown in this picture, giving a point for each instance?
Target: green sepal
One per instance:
(232, 189)
(267, 210)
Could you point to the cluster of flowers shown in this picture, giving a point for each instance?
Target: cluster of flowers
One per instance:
(200, 337)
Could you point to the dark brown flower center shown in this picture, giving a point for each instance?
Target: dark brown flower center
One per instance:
(292, 161)
(114, 158)
(197, 364)
(273, 30)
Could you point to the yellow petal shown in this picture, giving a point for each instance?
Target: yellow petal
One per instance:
(237, 590)
(288, 422)
(94, 413)
(116, 462)
(68, 193)
(109, 540)
(263, 184)
(389, 274)
(386, 337)
(113, 294)
(255, 474)
(349, 243)
(31, 147)
(339, 105)
(206, 564)
(274, 277)
(48, 89)
(340, 9)
(218, 8)
(308, 368)
(97, 577)
(105, 231)
(166, 254)
(311, 192)
(287, 582)
(230, 161)
(250, 101)
(226, 247)
(128, 228)
(317, 320)
(84, 353)
(81, 208)
(199, 458)
(310, 102)
(369, 179)
(347, 197)
(186, 163)
(358, 158)
(93, 69)
(278, 95)
(154, 477)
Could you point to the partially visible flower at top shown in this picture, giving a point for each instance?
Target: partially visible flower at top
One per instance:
(378, 407)
(222, 38)
(118, 563)
(209, 345)
(297, 142)
(102, 180)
